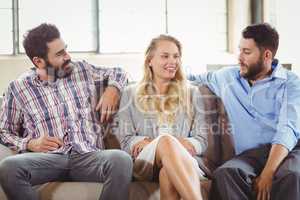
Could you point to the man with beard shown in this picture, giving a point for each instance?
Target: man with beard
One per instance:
(52, 115)
(262, 100)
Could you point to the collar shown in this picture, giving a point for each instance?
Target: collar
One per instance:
(278, 70)
(38, 82)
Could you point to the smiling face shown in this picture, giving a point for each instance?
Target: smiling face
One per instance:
(165, 61)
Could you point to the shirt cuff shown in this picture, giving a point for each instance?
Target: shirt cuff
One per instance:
(196, 144)
(22, 146)
(115, 84)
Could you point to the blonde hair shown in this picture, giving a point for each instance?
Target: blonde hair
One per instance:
(177, 95)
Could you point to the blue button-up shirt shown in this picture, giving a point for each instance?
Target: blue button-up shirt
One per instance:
(267, 112)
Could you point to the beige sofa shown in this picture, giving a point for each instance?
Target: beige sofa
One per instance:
(219, 150)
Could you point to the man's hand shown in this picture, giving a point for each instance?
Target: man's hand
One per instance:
(138, 147)
(188, 146)
(108, 103)
(263, 185)
(44, 144)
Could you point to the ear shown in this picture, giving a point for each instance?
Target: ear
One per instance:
(39, 62)
(149, 63)
(268, 54)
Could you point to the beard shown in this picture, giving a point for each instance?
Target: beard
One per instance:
(60, 72)
(252, 69)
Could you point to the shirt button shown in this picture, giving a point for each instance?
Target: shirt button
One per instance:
(69, 130)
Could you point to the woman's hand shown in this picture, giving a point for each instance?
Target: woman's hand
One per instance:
(188, 146)
(138, 147)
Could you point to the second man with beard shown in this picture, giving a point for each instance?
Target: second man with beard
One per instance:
(262, 100)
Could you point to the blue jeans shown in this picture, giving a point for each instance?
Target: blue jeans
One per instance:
(20, 172)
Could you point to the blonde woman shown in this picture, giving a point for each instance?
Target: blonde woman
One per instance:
(160, 123)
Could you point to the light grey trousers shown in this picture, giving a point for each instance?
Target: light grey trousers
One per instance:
(20, 172)
(234, 179)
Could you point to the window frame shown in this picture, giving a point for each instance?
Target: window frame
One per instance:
(16, 41)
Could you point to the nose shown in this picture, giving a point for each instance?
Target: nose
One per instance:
(67, 56)
(240, 56)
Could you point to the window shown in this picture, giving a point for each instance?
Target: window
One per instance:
(113, 26)
(130, 25)
(201, 26)
(199, 23)
(75, 19)
(6, 28)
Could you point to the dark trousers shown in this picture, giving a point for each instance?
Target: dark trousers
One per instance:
(234, 179)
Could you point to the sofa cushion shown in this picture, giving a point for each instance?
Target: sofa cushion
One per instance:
(70, 190)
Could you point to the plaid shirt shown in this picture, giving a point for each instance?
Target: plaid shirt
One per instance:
(64, 108)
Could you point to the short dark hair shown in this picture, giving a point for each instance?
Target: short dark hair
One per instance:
(264, 35)
(35, 40)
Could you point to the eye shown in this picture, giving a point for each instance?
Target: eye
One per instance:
(164, 56)
(246, 51)
(62, 53)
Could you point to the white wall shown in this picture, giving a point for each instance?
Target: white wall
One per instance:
(285, 16)
(12, 66)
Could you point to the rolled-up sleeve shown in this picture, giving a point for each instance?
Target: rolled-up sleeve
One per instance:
(115, 76)
(288, 127)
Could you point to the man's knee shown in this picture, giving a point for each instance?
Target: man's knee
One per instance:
(293, 178)
(119, 157)
(225, 173)
(289, 175)
(120, 161)
(286, 185)
(8, 168)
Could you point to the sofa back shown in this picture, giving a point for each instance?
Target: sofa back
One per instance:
(220, 143)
